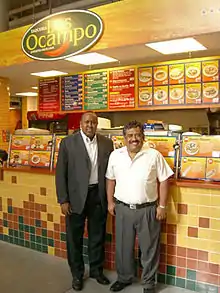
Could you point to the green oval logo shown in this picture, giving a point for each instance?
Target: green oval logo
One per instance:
(61, 35)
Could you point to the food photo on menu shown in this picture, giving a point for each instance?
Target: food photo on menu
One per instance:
(40, 159)
(41, 142)
(19, 158)
(20, 142)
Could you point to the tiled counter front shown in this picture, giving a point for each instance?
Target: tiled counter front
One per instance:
(190, 250)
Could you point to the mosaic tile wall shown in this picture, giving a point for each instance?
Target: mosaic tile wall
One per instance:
(190, 249)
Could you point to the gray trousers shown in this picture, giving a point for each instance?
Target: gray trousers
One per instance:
(142, 222)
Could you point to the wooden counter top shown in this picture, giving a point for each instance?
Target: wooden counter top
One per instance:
(30, 170)
(179, 182)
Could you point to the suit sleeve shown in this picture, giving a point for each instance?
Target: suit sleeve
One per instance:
(62, 175)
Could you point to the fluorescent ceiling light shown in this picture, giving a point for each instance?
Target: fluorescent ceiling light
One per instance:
(11, 108)
(91, 59)
(177, 46)
(49, 73)
(27, 94)
(34, 87)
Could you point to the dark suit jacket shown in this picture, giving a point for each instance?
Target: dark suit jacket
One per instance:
(73, 170)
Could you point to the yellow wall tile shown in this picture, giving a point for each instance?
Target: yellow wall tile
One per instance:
(193, 210)
(1, 214)
(215, 235)
(192, 242)
(204, 233)
(215, 192)
(214, 246)
(5, 230)
(214, 257)
(202, 245)
(215, 200)
(163, 238)
(183, 219)
(192, 221)
(205, 200)
(215, 224)
(204, 211)
(215, 213)
(182, 230)
(50, 250)
(181, 240)
(56, 217)
(50, 226)
(44, 216)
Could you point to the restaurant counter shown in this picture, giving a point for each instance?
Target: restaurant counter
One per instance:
(190, 249)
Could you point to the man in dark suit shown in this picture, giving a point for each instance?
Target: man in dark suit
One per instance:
(80, 185)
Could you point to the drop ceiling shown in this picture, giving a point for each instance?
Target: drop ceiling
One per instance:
(22, 81)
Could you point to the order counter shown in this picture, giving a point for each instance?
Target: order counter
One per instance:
(190, 249)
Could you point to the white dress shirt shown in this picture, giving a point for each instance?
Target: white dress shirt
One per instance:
(136, 180)
(92, 150)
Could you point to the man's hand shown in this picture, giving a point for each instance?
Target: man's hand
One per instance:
(66, 209)
(111, 208)
(161, 214)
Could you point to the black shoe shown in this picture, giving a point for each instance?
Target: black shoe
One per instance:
(118, 286)
(101, 279)
(152, 290)
(77, 284)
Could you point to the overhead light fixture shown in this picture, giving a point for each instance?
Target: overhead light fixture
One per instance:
(34, 87)
(177, 46)
(27, 94)
(49, 73)
(91, 59)
(12, 108)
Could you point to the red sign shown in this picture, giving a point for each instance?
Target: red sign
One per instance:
(49, 94)
(121, 89)
(34, 115)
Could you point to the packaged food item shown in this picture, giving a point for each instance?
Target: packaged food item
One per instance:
(193, 168)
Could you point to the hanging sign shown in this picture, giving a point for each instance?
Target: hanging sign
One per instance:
(62, 35)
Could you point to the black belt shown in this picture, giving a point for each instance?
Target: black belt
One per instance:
(137, 206)
(92, 186)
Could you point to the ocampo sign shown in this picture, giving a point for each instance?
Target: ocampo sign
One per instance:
(61, 35)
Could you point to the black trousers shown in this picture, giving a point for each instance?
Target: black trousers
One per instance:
(75, 224)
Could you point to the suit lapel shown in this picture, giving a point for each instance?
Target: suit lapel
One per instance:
(82, 150)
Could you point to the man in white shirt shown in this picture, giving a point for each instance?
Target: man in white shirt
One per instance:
(81, 192)
(132, 176)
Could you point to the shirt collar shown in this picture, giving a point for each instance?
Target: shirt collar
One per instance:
(87, 139)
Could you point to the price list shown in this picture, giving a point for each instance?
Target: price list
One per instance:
(96, 91)
(71, 92)
(49, 94)
(121, 89)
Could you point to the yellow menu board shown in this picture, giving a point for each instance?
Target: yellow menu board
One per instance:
(176, 94)
(161, 95)
(210, 71)
(20, 142)
(176, 74)
(210, 92)
(201, 146)
(213, 169)
(145, 96)
(193, 168)
(193, 72)
(19, 157)
(164, 144)
(40, 158)
(41, 142)
(160, 74)
(145, 76)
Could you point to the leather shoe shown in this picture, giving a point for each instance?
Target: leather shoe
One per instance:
(101, 279)
(118, 286)
(77, 284)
